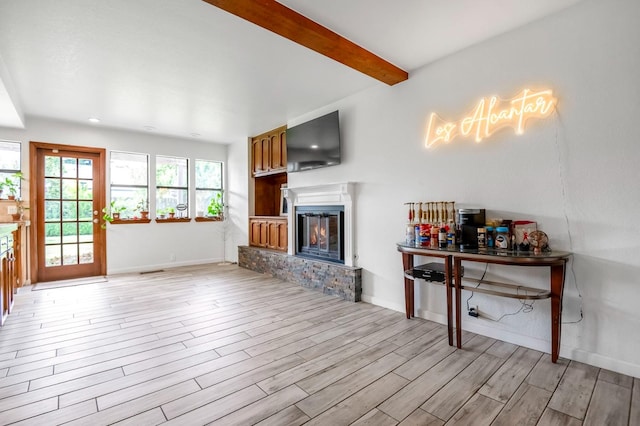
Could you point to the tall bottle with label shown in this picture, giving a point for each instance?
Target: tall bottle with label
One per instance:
(482, 238)
(490, 237)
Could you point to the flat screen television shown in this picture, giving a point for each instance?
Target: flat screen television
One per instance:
(314, 144)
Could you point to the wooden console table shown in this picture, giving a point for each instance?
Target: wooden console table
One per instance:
(453, 258)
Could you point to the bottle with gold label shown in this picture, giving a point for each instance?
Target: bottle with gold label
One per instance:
(482, 238)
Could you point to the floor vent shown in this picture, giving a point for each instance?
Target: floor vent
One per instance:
(151, 272)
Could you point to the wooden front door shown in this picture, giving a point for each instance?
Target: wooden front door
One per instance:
(67, 197)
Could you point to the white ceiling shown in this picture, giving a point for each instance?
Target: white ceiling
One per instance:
(185, 67)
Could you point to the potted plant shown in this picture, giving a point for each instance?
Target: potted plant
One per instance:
(111, 213)
(172, 212)
(20, 210)
(215, 208)
(161, 213)
(143, 208)
(11, 184)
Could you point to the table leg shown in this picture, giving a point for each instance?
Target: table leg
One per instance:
(407, 264)
(557, 288)
(457, 268)
(448, 285)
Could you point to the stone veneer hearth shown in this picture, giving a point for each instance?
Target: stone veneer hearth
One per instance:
(330, 278)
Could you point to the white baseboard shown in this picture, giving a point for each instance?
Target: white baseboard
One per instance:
(431, 316)
(508, 336)
(542, 345)
(382, 302)
(601, 361)
(146, 268)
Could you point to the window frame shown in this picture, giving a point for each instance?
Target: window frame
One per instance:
(11, 172)
(197, 188)
(170, 187)
(134, 218)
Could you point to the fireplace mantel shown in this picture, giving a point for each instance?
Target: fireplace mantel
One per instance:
(336, 194)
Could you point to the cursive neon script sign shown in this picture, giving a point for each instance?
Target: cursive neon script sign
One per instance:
(492, 114)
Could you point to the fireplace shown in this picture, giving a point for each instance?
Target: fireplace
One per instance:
(316, 198)
(320, 232)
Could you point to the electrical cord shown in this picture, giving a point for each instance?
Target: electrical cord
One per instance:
(486, 265)
(558, 122)
(525, 307)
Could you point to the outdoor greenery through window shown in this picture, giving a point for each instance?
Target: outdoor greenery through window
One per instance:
(130, 182)
(68, 210)
(9, 165)
(172, 186)
(208, 185)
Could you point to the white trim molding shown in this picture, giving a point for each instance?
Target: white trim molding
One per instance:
(336, 194)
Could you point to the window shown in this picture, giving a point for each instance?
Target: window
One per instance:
(10, 165)
(129, 182)
(208, 184)
(172, 186)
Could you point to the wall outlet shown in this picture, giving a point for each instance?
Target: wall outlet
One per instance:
(12, 209)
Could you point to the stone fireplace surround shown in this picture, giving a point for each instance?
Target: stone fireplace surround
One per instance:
(345, 280)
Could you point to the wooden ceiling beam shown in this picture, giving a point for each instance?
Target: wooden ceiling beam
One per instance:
(277, 18)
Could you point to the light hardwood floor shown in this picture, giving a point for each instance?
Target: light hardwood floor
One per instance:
(222, 345)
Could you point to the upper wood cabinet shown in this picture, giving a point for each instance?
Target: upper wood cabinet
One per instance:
(269, 152)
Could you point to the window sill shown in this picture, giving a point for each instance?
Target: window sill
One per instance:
(209, 219)
(129, 221)
(175, 219)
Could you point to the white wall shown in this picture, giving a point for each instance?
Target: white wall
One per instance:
(574, 173)
(238, 202)
(132, 248)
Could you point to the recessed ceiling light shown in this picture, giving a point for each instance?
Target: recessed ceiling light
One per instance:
(149, 128)
(196, 135)
(94, 120)
(314, 146)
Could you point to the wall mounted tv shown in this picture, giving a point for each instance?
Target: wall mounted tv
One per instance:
(314, 144)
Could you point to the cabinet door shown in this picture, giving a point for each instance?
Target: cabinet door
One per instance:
(256, 156)
(266, 153)
(283, 147)
(276, 154)
(273, 235)
(282, 237)
(278, 150)
(264, 234)
(254, 232)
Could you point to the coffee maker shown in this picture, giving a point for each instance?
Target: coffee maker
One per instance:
(470, 220)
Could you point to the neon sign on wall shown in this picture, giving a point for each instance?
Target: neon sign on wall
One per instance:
(492, 114)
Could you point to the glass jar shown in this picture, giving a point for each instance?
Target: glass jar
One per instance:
(502, 238)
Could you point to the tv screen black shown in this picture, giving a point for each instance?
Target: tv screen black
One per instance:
(314, 144)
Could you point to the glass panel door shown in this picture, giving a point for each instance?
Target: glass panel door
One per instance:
(69, 237)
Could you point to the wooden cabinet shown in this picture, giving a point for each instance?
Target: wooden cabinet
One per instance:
(269, 152)
(256, 238)
(10, 266)
(268, 232)
(269, 173)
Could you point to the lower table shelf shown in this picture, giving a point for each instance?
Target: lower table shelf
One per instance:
(556, 261)
(514, 291)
